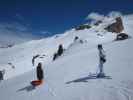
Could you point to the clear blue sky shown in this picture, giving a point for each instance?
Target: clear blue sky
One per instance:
(57, 16)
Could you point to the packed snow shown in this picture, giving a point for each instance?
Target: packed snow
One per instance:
(68, 77)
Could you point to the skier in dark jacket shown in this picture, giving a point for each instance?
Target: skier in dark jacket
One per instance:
(60, 50)
(2, 72)
(1, 75)
(102, 60)
(39, 72)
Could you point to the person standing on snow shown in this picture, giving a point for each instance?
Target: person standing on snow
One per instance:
(102, 60)
(60, 50)
(39, 72)
(2, 72)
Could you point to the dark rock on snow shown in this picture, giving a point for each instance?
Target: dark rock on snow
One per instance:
(116, 27)
(122, 36)
(82, 27)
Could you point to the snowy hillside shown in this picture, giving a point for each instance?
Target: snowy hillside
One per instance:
(67, 78)
(15, 33)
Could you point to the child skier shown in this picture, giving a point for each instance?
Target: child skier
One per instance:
(39, 73)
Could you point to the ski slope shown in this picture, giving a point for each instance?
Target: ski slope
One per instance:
(67, 78)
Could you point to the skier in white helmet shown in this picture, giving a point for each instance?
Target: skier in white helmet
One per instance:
(102, 60)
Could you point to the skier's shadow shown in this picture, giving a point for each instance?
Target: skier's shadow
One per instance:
(27, 88)
(85, 79)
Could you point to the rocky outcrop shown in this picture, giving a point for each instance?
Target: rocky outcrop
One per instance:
(122, 36)
(116, 27)
(82, 27)
(98, 22)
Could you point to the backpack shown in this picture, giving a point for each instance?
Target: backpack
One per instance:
(103, 59)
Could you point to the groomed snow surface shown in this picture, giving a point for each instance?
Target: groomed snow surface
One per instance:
(67, 78)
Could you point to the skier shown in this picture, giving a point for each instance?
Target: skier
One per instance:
(39, 72)
(102, 60)
(2, 72)
(60, 50)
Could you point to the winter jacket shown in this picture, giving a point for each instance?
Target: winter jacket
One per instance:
(39, 73)
(1, 75)
(60, 50)
(102, 55)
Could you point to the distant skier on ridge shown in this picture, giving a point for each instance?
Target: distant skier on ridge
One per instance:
(59, 52)
(102, 60)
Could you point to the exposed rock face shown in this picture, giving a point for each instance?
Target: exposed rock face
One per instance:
(82, 27)
(116, 27)
(98, 22)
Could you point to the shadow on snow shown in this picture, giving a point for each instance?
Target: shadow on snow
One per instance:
(27, 88)
(85, 79)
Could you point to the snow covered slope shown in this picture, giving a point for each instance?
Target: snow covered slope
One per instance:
(20, 56)
(67, 78)
(15, 33)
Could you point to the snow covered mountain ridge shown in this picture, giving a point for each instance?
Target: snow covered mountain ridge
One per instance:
(78, 60)
(15, 33)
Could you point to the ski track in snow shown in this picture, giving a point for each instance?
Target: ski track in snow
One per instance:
(123, 93)
(50, 90)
